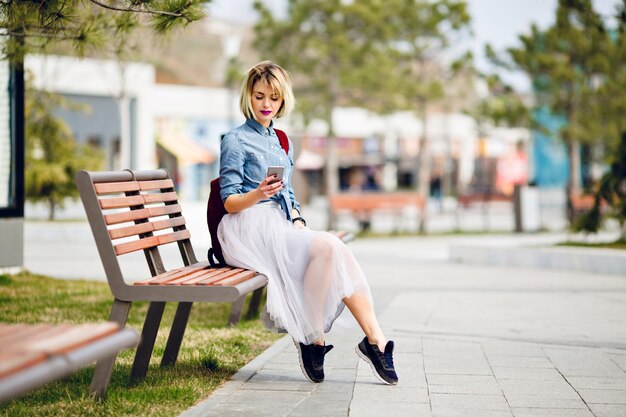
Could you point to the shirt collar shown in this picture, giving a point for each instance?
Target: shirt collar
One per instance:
(259, 127)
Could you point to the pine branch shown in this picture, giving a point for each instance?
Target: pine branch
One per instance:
(152, 12)
(44, 35)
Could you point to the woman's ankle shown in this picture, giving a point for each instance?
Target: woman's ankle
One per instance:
(379, 341)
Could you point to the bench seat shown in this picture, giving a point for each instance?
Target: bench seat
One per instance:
(33, 355)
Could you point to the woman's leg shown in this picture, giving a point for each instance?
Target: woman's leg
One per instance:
(317, 284)
(363, 312)
(318, 279)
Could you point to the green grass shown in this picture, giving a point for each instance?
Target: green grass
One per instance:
(618, 244)
(211, 352)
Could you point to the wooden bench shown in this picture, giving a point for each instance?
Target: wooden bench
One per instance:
(465, 200)
(33, 355)
(132, 211)
(366, 203)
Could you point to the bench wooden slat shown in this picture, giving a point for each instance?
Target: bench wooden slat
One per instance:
(163, 210)
(13, 335)
(119, 202)
(40, 332)
(173, 222)
(156, 184)
(168, 276)
(151, 241)
(136, 229)
(116, 187)
(174, 237)
(180, 275)
(13, 362)
(146, 227)
(126, 216)
(236, 279)
(135, 245)
(15, 341)
(73, 338)
(197, 275)
(10, 329)
(174, 273)
(467, 199)
(12, 339)
(219, 277)
(375, 201)
(159, 197)
(207, 273)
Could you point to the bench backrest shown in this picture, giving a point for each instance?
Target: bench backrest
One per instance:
(130, 211)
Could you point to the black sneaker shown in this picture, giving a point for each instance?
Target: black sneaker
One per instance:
(381, 363)
(312, 360)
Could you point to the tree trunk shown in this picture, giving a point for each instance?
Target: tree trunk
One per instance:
(573, 182)
(423, 179)
(332, 164)
(51, 209)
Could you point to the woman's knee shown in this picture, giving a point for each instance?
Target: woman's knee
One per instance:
(325, 245)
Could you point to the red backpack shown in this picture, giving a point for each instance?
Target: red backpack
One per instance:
(215, 211)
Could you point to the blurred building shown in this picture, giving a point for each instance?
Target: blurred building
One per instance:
(179, 127)
(380, 152)
(172, 126)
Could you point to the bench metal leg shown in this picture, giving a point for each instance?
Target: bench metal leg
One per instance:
(104, 367)
(146, 343)
(235, 311)
(176, 334)
(255, 304)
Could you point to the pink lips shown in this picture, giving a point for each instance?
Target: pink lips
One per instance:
(266, 112)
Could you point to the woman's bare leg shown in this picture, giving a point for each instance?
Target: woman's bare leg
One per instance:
(363, 312)
(318, 279)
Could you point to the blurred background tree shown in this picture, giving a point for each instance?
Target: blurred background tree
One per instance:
(610, 194)
(570, 63)
(53, 158)
(35, 26)
(382, 56)
(336, 53)
(501, 106)
(609, 198)
(426, 61)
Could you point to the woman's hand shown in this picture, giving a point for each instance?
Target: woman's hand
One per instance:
(238, 202)
(268, 190)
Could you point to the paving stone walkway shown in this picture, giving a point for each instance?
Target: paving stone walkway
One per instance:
(471, 341)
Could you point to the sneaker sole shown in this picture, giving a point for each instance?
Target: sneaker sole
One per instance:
(368, 360)
(302, 363)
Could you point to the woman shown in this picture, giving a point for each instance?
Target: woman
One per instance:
(311, 274)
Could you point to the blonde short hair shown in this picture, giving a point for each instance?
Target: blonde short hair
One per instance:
(274, 76)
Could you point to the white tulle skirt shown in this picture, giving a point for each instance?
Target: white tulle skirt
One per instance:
(309, 272)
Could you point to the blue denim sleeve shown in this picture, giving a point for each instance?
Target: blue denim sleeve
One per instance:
(292, 195)
(231, 166)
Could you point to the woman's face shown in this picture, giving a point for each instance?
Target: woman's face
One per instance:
(265, 103)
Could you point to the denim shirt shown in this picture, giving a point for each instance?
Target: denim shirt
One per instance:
(245, 154)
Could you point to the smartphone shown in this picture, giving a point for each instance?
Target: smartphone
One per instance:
(276, 171)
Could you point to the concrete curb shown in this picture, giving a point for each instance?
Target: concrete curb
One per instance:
(236, 381)
(601, 261)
